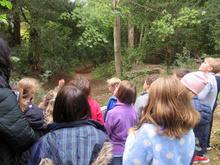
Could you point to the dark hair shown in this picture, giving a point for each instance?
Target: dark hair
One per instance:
(151, 78)
(180, 73)
(83, 84)
(5, 64)
(70, 105)
(126, 92)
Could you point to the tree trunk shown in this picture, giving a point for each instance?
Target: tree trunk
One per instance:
(16, 29)
(117, 42)
(130, 35)
(117, 45)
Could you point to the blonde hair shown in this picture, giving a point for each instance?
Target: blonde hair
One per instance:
(47, 105)
(169, 108)
(214, 63)
(27, 88)
(113, 81)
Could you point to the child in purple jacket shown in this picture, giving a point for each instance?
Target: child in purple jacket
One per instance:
(120, 119)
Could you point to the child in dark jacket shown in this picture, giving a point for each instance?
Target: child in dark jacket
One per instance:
(73, 138)
(27, 88)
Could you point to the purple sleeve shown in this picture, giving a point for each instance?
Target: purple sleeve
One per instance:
(109, 123)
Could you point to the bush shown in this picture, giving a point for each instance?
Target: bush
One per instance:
(104, 70)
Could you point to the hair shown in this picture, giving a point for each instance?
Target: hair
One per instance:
(5, 64)
(169, 108)
(81, 83)
(214, 63)
(70, 105)
(180, 73)
(126, 92)
(47, 105)
(113, 81)
(27, 88)
(150, 79)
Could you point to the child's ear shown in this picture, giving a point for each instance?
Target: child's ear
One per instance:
(210, 69)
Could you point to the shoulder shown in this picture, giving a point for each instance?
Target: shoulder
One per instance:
(93, 103)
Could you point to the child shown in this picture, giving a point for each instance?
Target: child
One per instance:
(141, 101)
(212, 66)
(121, 118)
(164, 134)
(196, 82)
(73, 138)
(84, 85)
(112, 84)
(179, 73)
(47, 103)
(27, 88)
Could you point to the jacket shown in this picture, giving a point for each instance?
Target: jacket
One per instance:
(204, 110)
(96, 113)
(111, 104)
(70, 143)
(15, 133)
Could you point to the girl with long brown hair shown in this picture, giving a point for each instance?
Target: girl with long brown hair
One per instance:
(164, 134)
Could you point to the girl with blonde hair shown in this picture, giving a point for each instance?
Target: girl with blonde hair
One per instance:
(164, 134)
(27, 88)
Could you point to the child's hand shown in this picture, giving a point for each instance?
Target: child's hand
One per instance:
(61, 83)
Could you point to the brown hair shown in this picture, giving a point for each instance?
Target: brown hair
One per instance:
(70, 105)
(151, 78)
(82, 83)
(126, 92)
(180, 73)
(27, 88)
(214, 63)
(169, 107)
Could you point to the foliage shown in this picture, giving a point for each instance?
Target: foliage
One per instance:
(8, 5)
(104, 70)
(184, 60)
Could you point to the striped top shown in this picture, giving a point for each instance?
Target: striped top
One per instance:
(69, 145)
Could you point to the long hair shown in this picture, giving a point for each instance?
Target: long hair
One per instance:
(27, 88)
(5, 64)
(70, 105)
(169, 108)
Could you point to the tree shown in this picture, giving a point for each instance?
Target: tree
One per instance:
(117, 39)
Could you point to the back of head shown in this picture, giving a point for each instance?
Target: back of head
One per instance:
(70, 105)
(5, 65)
(169, 107)
(180, 73)
(150, 79)
(83, 84)
(27, 88)
(126, 92)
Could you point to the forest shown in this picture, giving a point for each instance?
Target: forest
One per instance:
(47, 36)
(124, 38)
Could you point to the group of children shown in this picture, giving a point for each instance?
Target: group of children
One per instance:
(161, 126)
